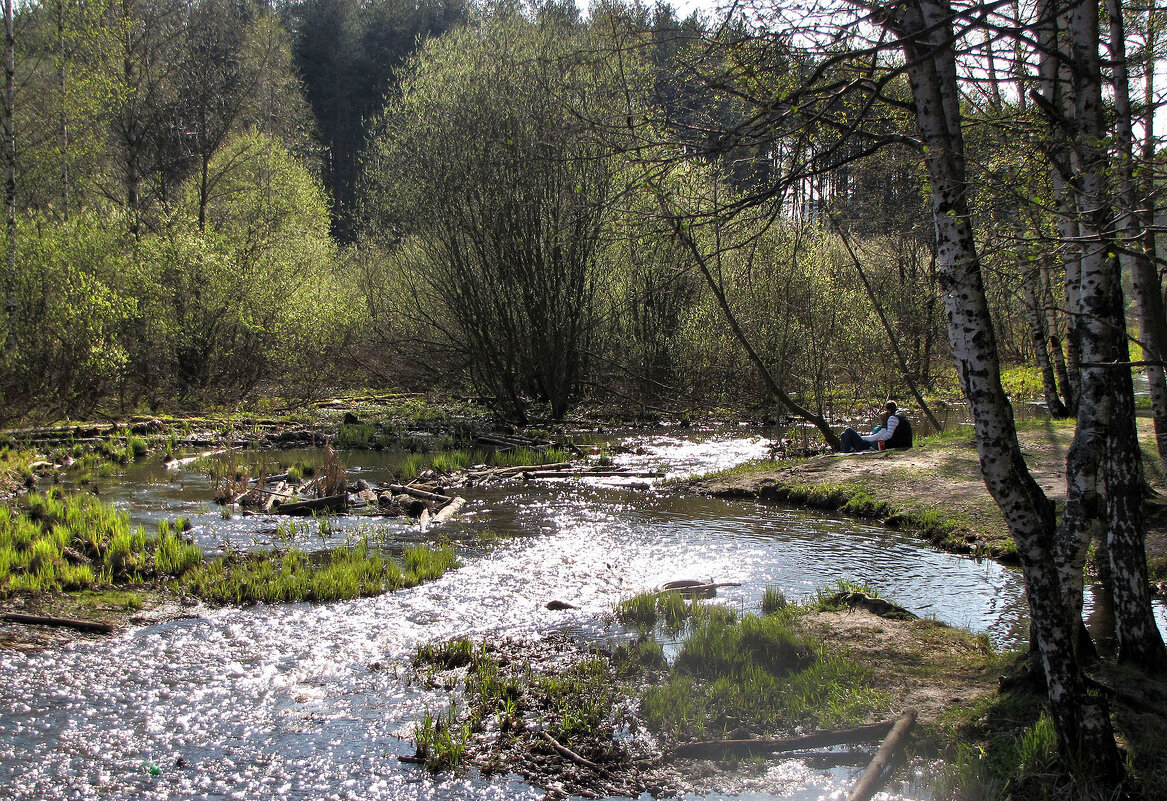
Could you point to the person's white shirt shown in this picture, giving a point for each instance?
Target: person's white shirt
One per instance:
(885, 434)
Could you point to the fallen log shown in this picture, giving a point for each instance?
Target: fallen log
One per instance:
(433, 497)
(508, 441)
(712, 749)
(595, 474)
(176, 463)
(876, 606)
(691, 587)
(508, 472)
(449, 510)
(329, 503)
(873, 777)
(281, 494)
(564, 751)
(65, 622)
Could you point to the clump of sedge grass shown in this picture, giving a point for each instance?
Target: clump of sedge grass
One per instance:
(773, 600)
(758, 671)
(70, 542)
(293, 575)
(441, 740)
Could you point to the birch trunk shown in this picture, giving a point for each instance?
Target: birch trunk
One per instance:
(924, 28)
(1051, 327)
(9, 174)
(1106, 431)
(1032, 290)
(1146, 284)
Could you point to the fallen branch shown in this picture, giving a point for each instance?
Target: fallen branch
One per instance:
(176, 463)
(595, 474)
(564, 751)
(688, 586)
(433, 497)
(65, 622)
(331, 503)
(708, 749)
(873, 777)
(449, 510)
(507, 472)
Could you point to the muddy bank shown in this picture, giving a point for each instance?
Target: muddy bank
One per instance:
(117, 608)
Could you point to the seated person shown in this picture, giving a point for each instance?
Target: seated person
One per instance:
(894, 432)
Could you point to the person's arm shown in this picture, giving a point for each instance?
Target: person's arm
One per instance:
(884, 435)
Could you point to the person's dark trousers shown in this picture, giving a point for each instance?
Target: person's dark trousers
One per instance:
(852, 442)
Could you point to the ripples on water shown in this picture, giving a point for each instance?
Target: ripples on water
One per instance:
(309, 701)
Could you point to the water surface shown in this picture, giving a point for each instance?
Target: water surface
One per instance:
(311, 701)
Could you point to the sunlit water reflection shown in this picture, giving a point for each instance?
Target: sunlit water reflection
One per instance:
(310, 701)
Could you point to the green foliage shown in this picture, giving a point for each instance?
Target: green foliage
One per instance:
(773, 600)
(1012, 764)
(441, 740)
(452, 461)
(71, 542)
(632, 658)
(757, 672)
(824, 597)
(293, 575)
(446, 655)
(496, 195)
(1022, 382)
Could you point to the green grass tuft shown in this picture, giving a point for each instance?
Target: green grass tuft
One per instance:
(64, 542)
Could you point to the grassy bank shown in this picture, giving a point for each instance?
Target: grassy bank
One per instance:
(59, 544)
(934, 490)
(550, 710)
(293, 575)
(532, 708)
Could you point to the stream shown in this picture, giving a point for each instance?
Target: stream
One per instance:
(311, 701)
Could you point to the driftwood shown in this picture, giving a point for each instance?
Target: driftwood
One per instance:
(433, 497)
(692, 587)
(712, 749)
(873, 776)
(176, 463)
(511, 441)
(564, 751)
(449, 510)
(42, 620)
(594, 474)
(329, 503)
(281, 494)
(423, 519)
(508, 472)
(876, 606)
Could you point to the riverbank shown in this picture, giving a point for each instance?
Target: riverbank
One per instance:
(745, 695)
(576, 718)
(934, 488)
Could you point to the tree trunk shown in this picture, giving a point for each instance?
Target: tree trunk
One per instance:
(1146, 284)
(1083, 724)
(63, 111)
(9, 175)
(1051, 327)
(776, 390)
(1106, 423)
(1037, 333)
(891, 336)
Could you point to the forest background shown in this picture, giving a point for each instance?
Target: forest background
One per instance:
(212, 200)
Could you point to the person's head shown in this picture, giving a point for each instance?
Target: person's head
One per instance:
(891, 408)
